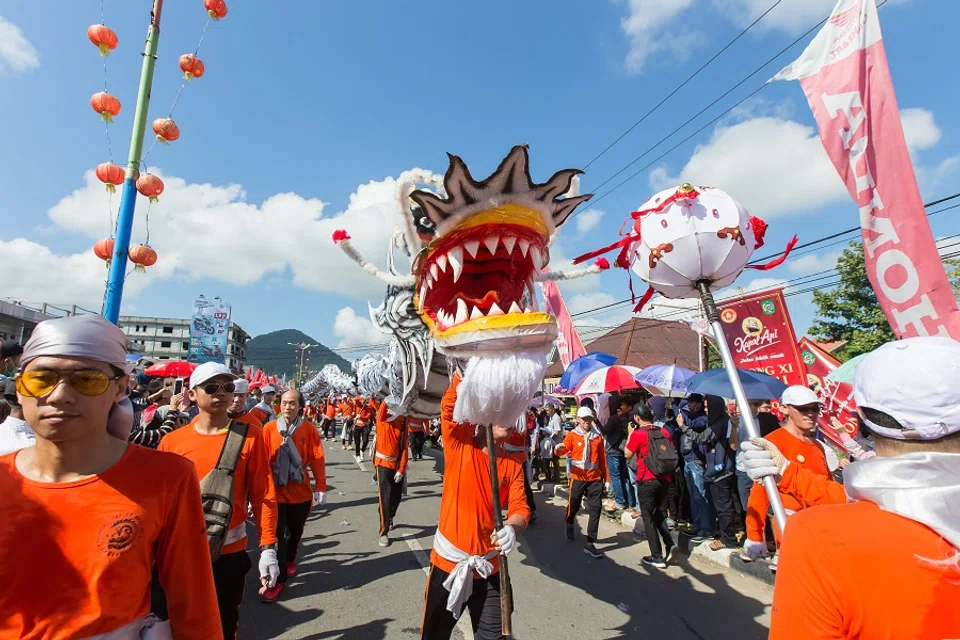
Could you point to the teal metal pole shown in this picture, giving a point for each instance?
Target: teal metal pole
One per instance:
(128, 198)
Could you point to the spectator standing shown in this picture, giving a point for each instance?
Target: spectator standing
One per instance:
(615, 439)
(692, 420)
(744, 483)
(719, 473)
(15, 433)
(10, 355)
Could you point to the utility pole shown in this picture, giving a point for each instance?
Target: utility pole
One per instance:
(128, 198)
(303, 347)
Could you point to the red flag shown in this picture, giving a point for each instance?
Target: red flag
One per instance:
(838, 410)
(845, 76)
(248, 374)
(569, 345)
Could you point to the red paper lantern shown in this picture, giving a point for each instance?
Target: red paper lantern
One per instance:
(111, 175)
(166, 130)
(191, 66)
(104, 250)
(216, 9)
(105, 104)
(150, 186)
(103, 37)
(142, 256)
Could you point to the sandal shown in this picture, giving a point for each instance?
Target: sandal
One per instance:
(718, 545)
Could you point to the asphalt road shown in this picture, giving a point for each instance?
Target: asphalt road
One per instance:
(348, 587)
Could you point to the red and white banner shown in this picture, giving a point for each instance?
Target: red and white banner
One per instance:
(569, 345)
(839, 409)
(845, 76)
(761, 337)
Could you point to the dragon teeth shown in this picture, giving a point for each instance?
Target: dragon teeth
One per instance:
(476, 313)
(524, 247)
(461, 312)
(491, 243)
(536, 258)
(423, 292)
(495, 310)
(434, 271)
(455, 256)
(509, 242)
(515, 308)
(442, 262)
(472, 246)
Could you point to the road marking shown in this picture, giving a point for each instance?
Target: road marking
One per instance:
(463, 624)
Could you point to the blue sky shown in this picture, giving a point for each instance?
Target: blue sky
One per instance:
(308, 110)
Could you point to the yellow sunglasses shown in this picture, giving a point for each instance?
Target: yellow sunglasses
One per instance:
(38, 383)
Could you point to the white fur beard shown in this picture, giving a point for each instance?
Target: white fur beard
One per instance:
(498, 389)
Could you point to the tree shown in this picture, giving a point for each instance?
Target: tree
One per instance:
(850, 312)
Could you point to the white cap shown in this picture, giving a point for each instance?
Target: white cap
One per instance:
(913, 381)
(268, 389)
(209, 370)
(241, 386)
(799, 396)
(585, 412)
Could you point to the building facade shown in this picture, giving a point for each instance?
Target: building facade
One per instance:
(161, 339)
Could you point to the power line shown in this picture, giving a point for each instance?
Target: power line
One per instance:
(681, 85)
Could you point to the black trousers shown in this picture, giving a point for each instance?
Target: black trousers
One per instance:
(417, 438)
(361, 434)
(724, 493)
(291, 519)
(652, 496)
(528, 490)
(673, 498)
(593, 490)
(327, 426)
(483, 605)
(390, 493)
(229, 578)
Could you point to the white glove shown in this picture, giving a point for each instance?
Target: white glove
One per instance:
(269, 567)
(761, 458)
(397, 478)
(754, 550)
(319, 498)
(506, 539)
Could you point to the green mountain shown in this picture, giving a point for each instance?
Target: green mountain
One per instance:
(272, 353)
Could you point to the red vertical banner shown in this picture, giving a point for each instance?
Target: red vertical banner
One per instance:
(761, 337)
(839, 409)
(569, 345)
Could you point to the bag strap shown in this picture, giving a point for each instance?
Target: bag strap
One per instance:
(232, 445)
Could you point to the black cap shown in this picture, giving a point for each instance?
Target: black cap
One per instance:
(695, 397)
(10, 349)
(10, 389)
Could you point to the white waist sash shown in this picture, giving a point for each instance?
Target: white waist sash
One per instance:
(386, 457)
(236, 534)
(460, 581)
(514, 448)
(149, 627)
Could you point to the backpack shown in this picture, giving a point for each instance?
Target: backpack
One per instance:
(661, 458)
(216, 489)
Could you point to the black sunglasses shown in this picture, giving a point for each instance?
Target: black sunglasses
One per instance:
(213, 388)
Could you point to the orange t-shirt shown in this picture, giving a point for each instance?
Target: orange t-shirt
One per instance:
(253, 480)
(249, 418)
(573, 447)
(330, 411)
(466, 507)
(515, 447)
(347, 409)
(856, 571)
(391, 442)
(259, 414)
(416, 425)
(366, 413)
(307, 441)
(809, 456)
(78, 555)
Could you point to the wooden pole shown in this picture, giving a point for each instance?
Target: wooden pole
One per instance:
(506, 627)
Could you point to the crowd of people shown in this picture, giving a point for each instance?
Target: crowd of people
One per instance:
(125, 555)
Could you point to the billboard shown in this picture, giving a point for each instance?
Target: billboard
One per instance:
(839, 409)
(761, 337)
(209, 331)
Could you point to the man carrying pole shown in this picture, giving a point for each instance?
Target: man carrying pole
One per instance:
(390, 461)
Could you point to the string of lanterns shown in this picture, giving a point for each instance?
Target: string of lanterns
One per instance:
(166, 130)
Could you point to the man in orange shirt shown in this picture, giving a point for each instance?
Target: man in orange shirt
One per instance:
(347, 410)
(418, 436)
(238, 408)
(516, 447)
(366, 410)
(328, 422)
(884, 560)
(81, 527)
(796, 440)
(265, 411)
(588, 467)
(201, 442)
(390, 462)
(464, 563)
(293, 446)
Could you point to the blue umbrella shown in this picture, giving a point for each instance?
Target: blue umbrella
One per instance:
(584, 366)
(667, 377)
(756, 385)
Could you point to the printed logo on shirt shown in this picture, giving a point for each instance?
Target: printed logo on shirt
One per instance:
(121, 535)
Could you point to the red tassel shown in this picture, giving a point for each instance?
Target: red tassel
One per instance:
(340, 235)
(603, 263)
(677, 195)
(622, 242)
(773, 264)
(759, 227)
(644, 300)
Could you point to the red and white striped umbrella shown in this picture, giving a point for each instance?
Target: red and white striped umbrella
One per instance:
(607, 379)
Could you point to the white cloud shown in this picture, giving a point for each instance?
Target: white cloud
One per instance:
(646, 26)
(792, 17)
(813, 263)
(16, 52)
(919, 128)
(354, 330)
(588, 220)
